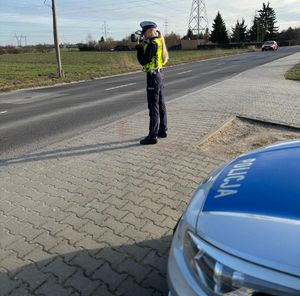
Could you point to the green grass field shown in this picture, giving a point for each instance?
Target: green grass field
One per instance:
(39, 69)
(294, 73)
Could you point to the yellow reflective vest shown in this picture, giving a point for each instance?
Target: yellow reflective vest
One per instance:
(157, 61)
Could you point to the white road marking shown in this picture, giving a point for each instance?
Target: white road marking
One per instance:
(3, 112)
(120, 86)
(180, 73)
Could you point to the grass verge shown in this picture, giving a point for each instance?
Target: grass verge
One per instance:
(294, 73)
(39, 69)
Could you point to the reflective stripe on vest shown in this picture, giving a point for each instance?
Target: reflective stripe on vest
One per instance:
(157, 60)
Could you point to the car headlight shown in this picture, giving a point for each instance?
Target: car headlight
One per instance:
(216, 278)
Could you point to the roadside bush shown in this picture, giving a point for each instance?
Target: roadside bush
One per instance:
(251, 48)
(43, 48)
(2, 50)
(25, 49)
(11, 49)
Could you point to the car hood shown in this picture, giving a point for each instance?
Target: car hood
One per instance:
(253, 208)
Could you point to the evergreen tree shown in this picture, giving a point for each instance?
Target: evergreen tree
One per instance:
(290, 34)
(252, 32)
(267, 17)
(219, 33)
(239, 32)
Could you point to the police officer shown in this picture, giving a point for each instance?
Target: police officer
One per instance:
(152, 54)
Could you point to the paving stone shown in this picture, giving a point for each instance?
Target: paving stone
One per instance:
(39, 257)
(86, 262)
(71, 234)
(7, 238)
(92, 229)
(130, 287)
(78, 210)
(52, 287)
(111, 239)
(82, 284)
(53, 227)
(32, 276)
(59, 269)
(65, 249)
(88, 243)
(103, 291)
(118, 226)
(97, 218)
(47, 241)
(135, 251)
(136, 270)
(7, 284)
(112, 256)
(21, 247)
(156, 281)
(97, 205)
(21, 291)
(154, 230)
(109, 276)
(138, 223)
(13, 264)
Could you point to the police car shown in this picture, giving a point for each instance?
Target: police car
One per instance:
(240, 234)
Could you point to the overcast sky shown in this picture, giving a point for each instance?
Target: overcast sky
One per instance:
(77, 19)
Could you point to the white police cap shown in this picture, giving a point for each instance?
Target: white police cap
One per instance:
(147, 25)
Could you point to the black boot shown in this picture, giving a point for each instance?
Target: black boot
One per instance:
(148, 141)
(162, 134)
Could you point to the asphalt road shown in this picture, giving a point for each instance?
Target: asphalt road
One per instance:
(32, 119)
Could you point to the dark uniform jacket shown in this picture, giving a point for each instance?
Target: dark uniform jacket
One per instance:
(146, 57)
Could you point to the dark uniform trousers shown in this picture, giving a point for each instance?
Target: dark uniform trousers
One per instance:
(156, 104)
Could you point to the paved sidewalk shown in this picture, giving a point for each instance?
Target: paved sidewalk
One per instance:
(94, 215)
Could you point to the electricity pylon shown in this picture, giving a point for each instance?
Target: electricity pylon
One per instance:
(198, 22)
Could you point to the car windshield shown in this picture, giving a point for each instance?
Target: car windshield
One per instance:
(269, 42)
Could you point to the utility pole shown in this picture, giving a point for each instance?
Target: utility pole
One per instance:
(60, 72)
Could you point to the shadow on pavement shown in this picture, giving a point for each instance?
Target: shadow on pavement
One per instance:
(69, 152)
(137, 269)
